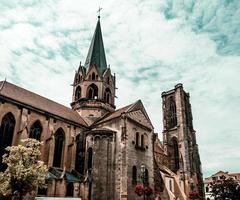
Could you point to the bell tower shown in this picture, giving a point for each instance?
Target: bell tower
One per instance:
(179, 139)
(94, 84)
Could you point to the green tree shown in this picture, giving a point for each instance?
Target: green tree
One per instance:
(225, 189)
(24, 173)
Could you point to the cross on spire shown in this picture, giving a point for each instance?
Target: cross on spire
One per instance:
(99, 9)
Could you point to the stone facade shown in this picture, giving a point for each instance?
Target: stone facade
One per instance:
(94, 151)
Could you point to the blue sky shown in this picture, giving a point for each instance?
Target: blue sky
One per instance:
(150, 45)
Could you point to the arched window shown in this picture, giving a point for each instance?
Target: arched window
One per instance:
(134, 174)
(142, 141)
(6, 135)
(58, 150)
(175, 154)
(92, 92)
(90, 155)
(172, 121)
(146, 179)
(137, 139)
(107, 95)
(78, 93)
(36, 130)
(79, 162)
(93, 76)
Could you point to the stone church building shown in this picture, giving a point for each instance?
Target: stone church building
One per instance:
(95, 151)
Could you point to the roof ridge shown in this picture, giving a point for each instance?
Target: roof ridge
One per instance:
(2, 84)
(38, 98)
(39, 95)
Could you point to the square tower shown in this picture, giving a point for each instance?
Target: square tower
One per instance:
(179, 138)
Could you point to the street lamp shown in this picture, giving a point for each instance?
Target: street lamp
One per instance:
(143, 169)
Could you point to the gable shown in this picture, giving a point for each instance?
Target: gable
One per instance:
(139, 117)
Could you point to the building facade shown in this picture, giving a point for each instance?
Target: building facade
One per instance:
(95, 151)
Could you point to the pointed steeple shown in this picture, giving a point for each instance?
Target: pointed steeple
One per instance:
(96, 52)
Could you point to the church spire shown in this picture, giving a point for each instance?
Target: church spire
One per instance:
(96, 52)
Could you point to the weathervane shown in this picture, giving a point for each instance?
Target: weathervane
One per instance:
(99, 11)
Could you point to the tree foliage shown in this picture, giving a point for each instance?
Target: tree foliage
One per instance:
(225, 189)
(24, 173)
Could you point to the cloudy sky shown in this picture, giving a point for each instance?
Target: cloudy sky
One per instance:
(151, 46)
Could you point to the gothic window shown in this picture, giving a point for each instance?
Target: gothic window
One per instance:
(92, 92)
(79, 162)
(107, 95)
(36, 130)
(6, 135)
(137, 139)
(134, 174)
(93, 76)
(175, 154)
(78, 93)
(58, 150)
(172, 122)
(90, 155)
(142, 141)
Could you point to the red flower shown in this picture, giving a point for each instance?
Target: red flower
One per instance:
(193, 195)
(148, 191)
(139, 189)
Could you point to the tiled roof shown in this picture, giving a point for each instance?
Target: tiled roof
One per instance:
(113, 115)
(26, 97)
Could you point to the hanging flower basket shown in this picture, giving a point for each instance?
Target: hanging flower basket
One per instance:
(148, 191)
(139, 189)
(193, 195)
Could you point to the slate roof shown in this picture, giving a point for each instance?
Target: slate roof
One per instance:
(38, 102)
(127, 109)
(113, 115)
(96, 52)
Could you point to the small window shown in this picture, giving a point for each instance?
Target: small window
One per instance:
(142, 141)
(170, 185)
(207, 189)
(134, 174)
(70, 188)
(90, 157)
(93, 76)
(137, 139)
(146, 179)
